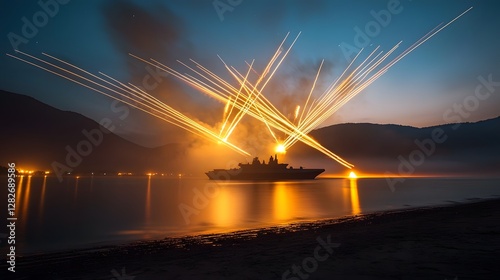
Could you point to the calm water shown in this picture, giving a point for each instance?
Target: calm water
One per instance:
(91, 211)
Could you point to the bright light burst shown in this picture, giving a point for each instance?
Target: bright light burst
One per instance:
(353, 175)
(280, 149)
(245, 98)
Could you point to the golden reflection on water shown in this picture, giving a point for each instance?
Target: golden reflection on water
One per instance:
(225, 206)
(26, 199)
(229, 205)
(222, 209)
(356, 209)
(19, 191)
(23, 214)
(284, 201)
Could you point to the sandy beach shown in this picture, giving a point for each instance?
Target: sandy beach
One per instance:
(451, 242)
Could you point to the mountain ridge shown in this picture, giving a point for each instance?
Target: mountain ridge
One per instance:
(34, 130)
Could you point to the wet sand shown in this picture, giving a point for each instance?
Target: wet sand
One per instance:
(454, 242)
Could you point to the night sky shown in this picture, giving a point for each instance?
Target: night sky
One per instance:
(98, 35)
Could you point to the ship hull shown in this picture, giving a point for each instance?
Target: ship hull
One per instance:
(264, 175)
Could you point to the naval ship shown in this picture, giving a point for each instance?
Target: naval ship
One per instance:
(257, 170)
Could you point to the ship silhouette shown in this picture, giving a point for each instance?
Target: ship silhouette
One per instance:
(257, 170)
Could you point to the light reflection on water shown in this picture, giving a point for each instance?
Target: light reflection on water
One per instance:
(89, 211)
(353, 186)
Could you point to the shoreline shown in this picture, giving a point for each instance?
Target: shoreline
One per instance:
(303, 224)
(397, 243)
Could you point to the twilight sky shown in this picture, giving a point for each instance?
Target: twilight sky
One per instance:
(97, 35)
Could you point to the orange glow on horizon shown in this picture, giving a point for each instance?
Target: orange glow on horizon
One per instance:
(353, 175)
(382, 176)
(24, 171)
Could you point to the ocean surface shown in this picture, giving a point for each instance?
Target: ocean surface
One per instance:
(104, 210)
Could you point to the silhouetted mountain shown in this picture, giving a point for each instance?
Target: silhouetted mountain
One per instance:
(38, 134)
(33, 132)
(466, 147)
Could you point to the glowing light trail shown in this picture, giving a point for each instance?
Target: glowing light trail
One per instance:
(252, 103)
(130, 95)
(247, 97)
(361, 77)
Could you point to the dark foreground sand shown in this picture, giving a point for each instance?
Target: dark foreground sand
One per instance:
(455, 242)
